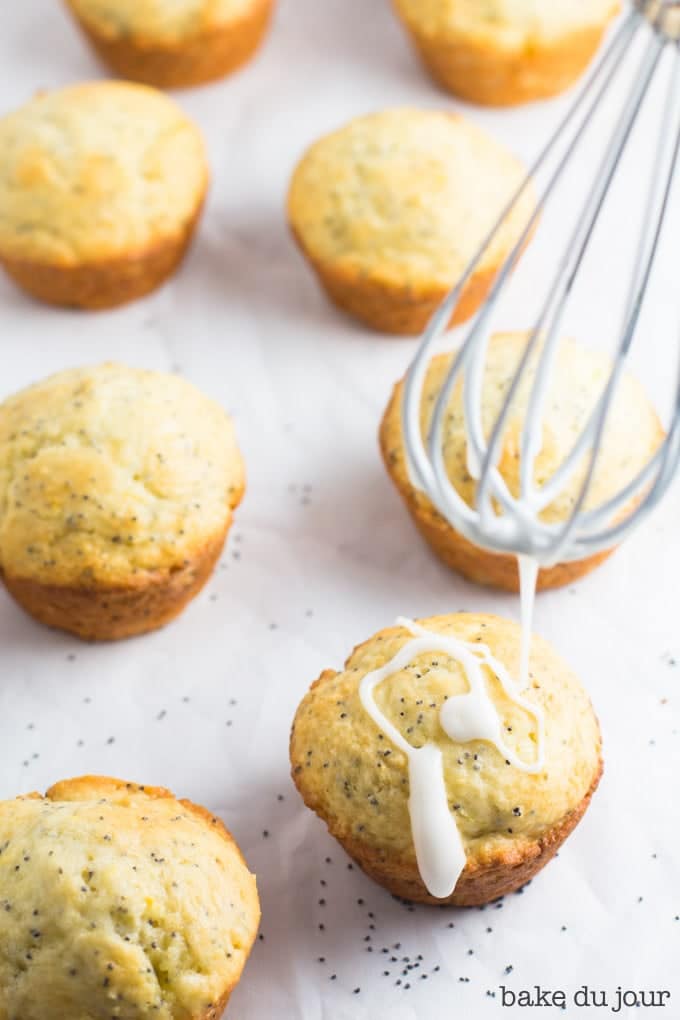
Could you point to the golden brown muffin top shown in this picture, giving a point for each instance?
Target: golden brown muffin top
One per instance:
(406, 197)
(119, 900)
(97, 171)
(579, 374)
(159, 22)
(110, 474)
(357, 780)
(506, 24)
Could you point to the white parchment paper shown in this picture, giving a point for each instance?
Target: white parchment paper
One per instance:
(322, 555)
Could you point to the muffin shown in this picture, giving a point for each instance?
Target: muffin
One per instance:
(393, 754)
(632, 435)
(119, 901)
(504, 52)
(101, 187)
(117, 487)
(173, 43)
(390, 209)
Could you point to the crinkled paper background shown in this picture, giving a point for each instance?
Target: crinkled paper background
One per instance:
(322, 555)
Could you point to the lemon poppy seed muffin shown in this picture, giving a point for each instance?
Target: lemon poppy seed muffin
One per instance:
(390, 209)
(578, 377)
(504, 821)
(117, 487)
(504, 52)
(118, 900)
(173, 43)
(101, 187)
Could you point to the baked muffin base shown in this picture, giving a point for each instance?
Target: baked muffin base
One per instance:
(106, 283)
(201, 59)
(497, 570)
(386, 308)
(108, 614)
(490, 77)
(400, 310)
(484, 878)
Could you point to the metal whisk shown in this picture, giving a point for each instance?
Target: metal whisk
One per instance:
(499, 520)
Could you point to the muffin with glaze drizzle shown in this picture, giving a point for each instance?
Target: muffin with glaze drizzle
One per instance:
(117, 490)
(506, 818)
(173, 43)
(504, 52)
(101, 187)
(632, 436)
(118, 900)
(390, 209)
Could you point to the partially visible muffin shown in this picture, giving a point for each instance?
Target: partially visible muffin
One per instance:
(101, 187)
(118, 900)
(504, 52)
(117, 489)
(390, 209)
(510, 822)
(173, 43)
(578, 377)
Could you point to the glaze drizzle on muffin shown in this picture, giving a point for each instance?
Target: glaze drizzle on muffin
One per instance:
(511, 821)
(464, 718)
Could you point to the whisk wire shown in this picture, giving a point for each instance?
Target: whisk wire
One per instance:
(477, 337)
(613, 55)
(651, 232)
(607, 171)
(426, 457)
(565, 277)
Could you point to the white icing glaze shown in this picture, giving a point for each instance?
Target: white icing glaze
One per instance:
(439, 849)
(465, 717)
(527, 564)
(506, 522)
(528, 575)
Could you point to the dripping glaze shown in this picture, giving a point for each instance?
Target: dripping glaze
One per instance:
(471, 716)
(464, 717)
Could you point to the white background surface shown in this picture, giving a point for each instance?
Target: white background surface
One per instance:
(322, 555)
